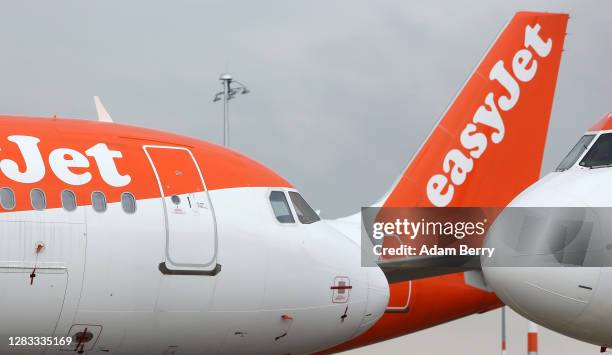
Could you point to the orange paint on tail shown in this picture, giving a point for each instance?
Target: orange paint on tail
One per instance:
(484, 151)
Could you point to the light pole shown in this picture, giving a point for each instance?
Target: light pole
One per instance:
(231, 87)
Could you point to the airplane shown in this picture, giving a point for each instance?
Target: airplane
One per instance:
(474, 156)
(128, 240)
(120, 239)
(560, 277)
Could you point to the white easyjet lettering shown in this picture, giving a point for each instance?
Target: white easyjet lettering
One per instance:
(105, 159)
(458, 163)
(62, 161)
(491, 118)
(506, 80)
(440, 193)
(475, 142)
(533, 40)
(520, 63)
(34, 165)
(461, 165)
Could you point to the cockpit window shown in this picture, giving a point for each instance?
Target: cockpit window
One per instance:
(305, 213)
(576, 152)
(280, 206)
(600, 154)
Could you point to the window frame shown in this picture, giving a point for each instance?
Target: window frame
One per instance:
(44, 199)
(76, 203)
(577, 165)
(105, 201)
(295, 211)
(133, 198)
(14, 199)
(594, 137)
(289, 204)
(594, 141)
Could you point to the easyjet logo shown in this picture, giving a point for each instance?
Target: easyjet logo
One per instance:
(62, 161)
(459, 162)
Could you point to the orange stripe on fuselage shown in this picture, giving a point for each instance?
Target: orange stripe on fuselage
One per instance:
(222, 168)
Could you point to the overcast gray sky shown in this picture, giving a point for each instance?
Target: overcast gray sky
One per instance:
(343, 92)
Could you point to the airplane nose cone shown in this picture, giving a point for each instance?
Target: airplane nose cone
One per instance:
(547, 260)
(552, 296)
(378, 295)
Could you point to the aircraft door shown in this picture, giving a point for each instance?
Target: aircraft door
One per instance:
(36, 296)
(191, 241)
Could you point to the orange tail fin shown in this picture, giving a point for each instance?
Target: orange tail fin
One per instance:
(489, 144)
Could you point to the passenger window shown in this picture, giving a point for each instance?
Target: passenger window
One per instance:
(7, 198)
(280, 206)
(98, 201)
(37, 199)
(128, 202)
(69, 200)
(305, 213)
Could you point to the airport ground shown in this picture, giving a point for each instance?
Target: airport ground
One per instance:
(478, 334)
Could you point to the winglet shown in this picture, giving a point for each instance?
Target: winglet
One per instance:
(103, 115)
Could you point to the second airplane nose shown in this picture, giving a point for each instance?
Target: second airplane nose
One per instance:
(546, 260)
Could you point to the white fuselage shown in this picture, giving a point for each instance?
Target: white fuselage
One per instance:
(100, 273)
(573, 297)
